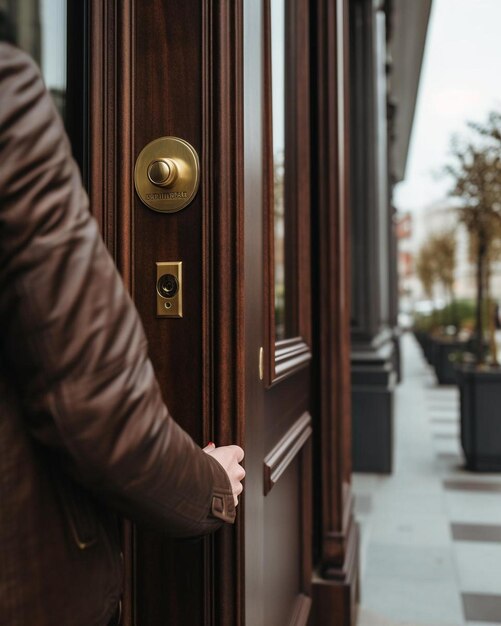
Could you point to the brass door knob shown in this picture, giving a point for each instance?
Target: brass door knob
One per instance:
(162, 172)
(167, 174)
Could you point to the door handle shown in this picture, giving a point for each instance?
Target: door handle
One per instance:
(167, 174)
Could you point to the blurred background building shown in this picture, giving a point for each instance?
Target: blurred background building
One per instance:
(414, 229)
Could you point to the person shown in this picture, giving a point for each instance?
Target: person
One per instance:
(84, 432)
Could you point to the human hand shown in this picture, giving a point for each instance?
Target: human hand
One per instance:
(229, 457)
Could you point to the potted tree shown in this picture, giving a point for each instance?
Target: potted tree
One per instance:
(437, 333)
(477, 186)
(446, 343)
(424, 324)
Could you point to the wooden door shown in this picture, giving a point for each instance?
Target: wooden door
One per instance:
(278, 308)
(235, 368)
(232, 77)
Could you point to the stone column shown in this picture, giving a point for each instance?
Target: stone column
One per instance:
(373, 359)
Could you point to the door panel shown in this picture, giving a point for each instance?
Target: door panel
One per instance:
(278, 427)
(282, 535)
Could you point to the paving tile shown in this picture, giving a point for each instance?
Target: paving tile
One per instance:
(450, 456)
(476, 532)
(484, 608)
(444, 435)
(450, 463)
(488, 477)
(370, 618)
(478, 567)
(363, 503)
(363, 483)
(411, 530)
(411, 502)
(446, 421)
(450, 450)
(423, 603)
(453, 445)
(420, 564)
(473, 507)
(442, 406)
(473, 485)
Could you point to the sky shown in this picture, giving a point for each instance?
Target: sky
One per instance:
(278, 73)
(460, 81)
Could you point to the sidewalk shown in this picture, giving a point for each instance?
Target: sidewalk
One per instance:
(431, 532)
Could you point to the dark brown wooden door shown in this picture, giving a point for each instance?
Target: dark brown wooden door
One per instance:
(234, 78)
(236, 367)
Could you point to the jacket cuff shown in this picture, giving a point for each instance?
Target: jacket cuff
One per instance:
(222, 502)
(223, 507)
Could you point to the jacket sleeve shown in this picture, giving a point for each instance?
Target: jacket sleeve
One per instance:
(71, 338)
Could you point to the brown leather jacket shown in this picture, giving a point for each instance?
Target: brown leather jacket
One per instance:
(84, 432)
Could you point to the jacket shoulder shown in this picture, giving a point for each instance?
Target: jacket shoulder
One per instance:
(31, 131)
(15, 63)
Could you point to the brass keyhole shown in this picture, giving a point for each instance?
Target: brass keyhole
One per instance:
(163, 172)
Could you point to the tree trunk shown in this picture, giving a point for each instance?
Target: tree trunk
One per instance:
(480, 300)
(491, 312)
(454, 312)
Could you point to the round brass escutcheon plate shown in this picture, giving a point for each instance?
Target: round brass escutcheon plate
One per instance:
(167, 174)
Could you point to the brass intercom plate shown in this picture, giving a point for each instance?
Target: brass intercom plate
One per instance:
(167, 174)
(169, 288)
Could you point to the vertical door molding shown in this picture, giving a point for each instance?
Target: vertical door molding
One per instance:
(111, 149)
(223, 255)
(336, 538)
(110, 164)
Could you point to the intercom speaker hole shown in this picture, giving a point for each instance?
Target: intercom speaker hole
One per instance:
(167, 286)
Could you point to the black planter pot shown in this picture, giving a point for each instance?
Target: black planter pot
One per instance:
(421, 337)
(480, 401)
(427, 346)
(471, 346)
(443, 350)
